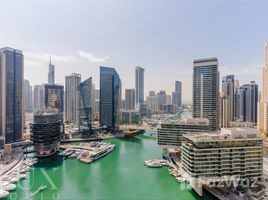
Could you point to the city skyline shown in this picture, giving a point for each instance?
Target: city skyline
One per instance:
(163, 53)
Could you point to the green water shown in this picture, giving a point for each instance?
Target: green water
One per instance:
(119, 175)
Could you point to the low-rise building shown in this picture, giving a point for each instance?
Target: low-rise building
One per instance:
(231, 155)
(170, 134)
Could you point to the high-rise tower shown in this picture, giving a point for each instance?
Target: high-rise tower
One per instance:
(51, 73)
(11, 94)
(263, 103)
(139, 89)
(110, 97)
(72, 83)
(206, 91)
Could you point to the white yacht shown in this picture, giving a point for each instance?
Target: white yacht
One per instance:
(3, 193)
(22, 176)
(5, 185)
(103, 152)
(13, 179)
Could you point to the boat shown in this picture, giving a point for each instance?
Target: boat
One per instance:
(3, 193)
(154, 165)
(180, 179)
(42, 187)
(14, 179)
(132, 133)
(5, 185)
(5, 178)
(86, 160)
(109, 148)
(22, 176)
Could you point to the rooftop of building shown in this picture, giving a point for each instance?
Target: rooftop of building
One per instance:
(188, 121)
(225, 134)
(206, 60)
(46, 112)
(128, 111)
(10, 49)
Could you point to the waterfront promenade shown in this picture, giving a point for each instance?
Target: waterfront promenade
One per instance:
(5, 168)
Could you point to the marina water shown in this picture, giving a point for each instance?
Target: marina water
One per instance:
(119, 175)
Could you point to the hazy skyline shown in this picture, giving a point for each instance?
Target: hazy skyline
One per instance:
(164, 37)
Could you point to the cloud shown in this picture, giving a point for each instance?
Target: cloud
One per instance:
(91, 57)
(44, 56)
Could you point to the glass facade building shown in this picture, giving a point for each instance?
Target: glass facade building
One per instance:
(176, 96)
(110, 98)
(54, 95)
(206, 91)
(249, 102)
(85, 90)
(11, 94)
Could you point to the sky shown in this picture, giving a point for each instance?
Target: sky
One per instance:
(162, 36)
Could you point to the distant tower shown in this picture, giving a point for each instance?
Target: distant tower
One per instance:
(176, 96)
(228, 96)
(139, 79)
(130, 99)
(51, 73)
(249, 102)
(263, 103)
(206, 91)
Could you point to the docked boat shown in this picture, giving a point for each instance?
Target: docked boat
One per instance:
(5, 185)
(22, 176)
(13, 179)
(180, 179)
(109, 148)
(132, 133)
(86, 160)
(3, 193)
(154, 165)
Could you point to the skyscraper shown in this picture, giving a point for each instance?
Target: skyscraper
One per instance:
(161, 98)
(72, 98)
(206, 91)
(236, 100)
(86, 105)
(28, 96)
(228, 96)
(152, 105)
(110, 97)
(51, 73)
(139, 90)
(249, 102)
(39, 98)
(54, 100)
(54, 97)
(130, 99)
(11, 94)
(263, 104)
(176, 96)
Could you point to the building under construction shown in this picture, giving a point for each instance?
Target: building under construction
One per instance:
(46, 132)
